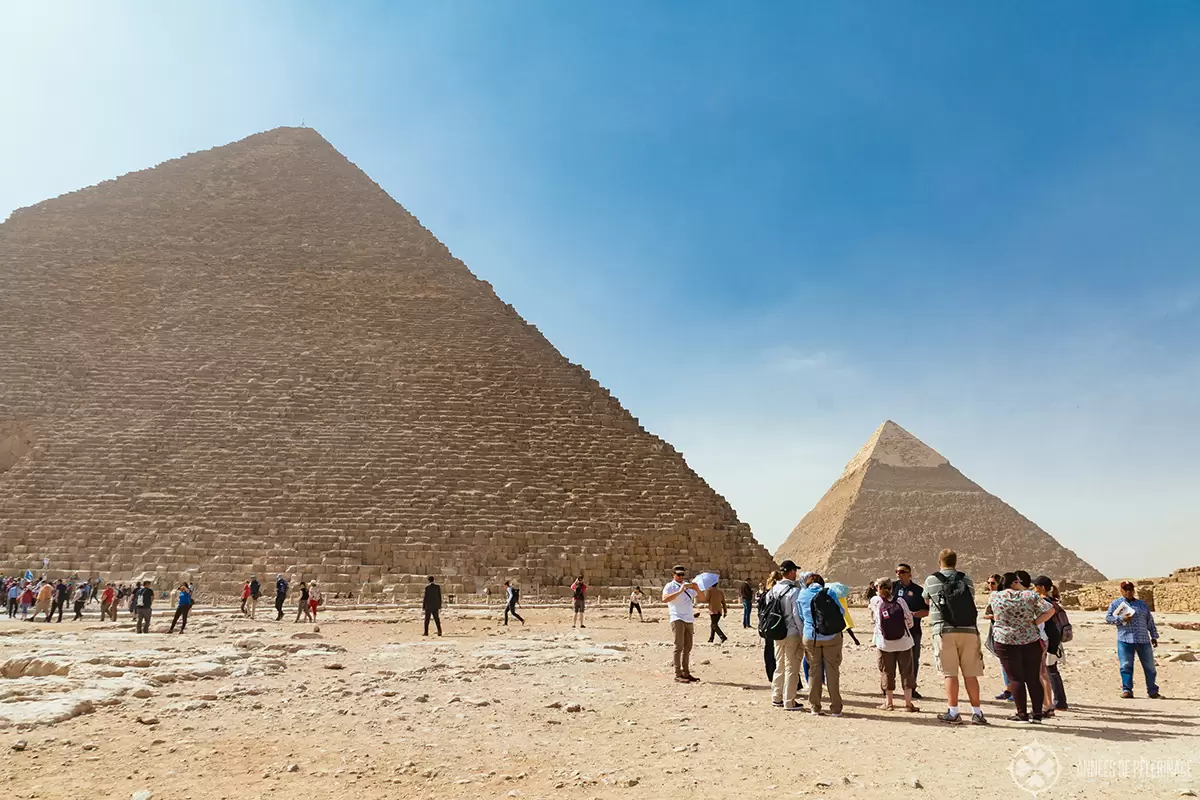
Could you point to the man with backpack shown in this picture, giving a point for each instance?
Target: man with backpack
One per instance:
(255, 593)
(281, 592)
(956, 644)
(824, 622)
(913, 596)
(781, 622)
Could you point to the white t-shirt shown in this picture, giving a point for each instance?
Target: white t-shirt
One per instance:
(683, 607)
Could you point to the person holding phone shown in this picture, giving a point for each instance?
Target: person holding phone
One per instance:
(681, 595)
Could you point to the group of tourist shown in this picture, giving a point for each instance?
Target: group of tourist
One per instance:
(802, 621)
(308, 595)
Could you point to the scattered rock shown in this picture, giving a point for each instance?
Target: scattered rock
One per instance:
(19, 745)
(334, 665)
(574, 708)
(1186, 655)
(421, 698)
(555, 704)
(915, 783)
(143, 794)
(629, 783)
(292, 768)
(90, 745)
(147, 720)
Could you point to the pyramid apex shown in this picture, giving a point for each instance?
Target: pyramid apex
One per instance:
(890, 444)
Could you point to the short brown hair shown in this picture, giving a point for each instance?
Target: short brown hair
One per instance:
(948, 558)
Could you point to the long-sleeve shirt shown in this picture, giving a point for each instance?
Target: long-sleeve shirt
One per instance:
(804, 609)
(1140, 629)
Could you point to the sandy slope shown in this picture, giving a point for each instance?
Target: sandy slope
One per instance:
(483, 712)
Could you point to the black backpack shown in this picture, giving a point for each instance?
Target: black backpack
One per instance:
(516, 595)
(828, 619)
(772, 624)
(956, 604)
(577, 592)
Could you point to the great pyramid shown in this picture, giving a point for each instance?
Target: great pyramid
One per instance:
(898, 500)
(252, 359)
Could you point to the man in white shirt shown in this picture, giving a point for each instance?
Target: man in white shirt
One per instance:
(681, 595)
(790, 650)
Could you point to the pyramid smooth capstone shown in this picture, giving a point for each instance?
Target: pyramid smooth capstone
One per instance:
(899, 500)
(252, 359)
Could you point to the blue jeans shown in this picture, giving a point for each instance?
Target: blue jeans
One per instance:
(745, 613)
(1145, 654)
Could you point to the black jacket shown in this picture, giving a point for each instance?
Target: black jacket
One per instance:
(433, 598)
(255, 589)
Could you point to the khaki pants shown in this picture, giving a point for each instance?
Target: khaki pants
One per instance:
(787, 670)
(683, 646)
(251, 606)
(824, 657)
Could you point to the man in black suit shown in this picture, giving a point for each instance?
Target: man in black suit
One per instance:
(432, 606)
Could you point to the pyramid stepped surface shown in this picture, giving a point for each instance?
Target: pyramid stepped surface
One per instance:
(251, 359)
(899, 500)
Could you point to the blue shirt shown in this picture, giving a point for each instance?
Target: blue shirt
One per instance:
(14, 592)
(804, 608)
(1140, 629)
(185, 598)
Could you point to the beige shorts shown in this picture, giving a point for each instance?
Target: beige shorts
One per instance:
(955, 652)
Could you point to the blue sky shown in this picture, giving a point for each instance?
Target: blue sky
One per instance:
(765, 229)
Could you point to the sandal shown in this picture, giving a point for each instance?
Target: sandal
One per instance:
(911, 708)
(886, 707)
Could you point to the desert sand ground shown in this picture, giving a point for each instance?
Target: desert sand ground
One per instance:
(365, 705)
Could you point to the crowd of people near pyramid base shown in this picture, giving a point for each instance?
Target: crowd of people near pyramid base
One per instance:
(801, 618)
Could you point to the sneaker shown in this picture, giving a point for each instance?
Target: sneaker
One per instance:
(1047, 713)
(835, 713)
(816, 712)
(1126, 694)
(1017, 718)
(1005, 695)
(796, 707)
(950, 719)
(1157, 696)
(1034, 720)
(979, 719)
(777, 703)
(681, 679)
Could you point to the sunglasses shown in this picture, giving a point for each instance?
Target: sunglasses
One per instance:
(902, 572)
(680, 574)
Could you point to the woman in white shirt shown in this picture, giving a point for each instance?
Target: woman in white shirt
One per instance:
(635, 602)
(893, 643)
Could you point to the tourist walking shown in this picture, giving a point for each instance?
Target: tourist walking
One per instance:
(578, 601)
(956, 643)
(183, 607)
(143, 600)
(431, 605)
(108, 603)
(781, 601)
(80, 600)
(13, 595)
(824, 622)
(635, 603)
(27, 600)
(892, 621)
(315, 599)
(45, 596)
(681, 595)
(255, 593)
(1137, 635)
(1017, 613)
(912, 595)
(302, 606)
(281, 592)
(746, 592)
(245, 596)
(716, 609)
(511, 595)
(62, 593)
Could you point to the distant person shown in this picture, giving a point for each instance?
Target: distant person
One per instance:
(255, 593)
(108, 603)
(635, 603)
(746, 592)
(62, 593)
(824, 622)
(315, 599)
(789, 649)
(511, 595)
(911, 594)
(872, 589)
(302, 605)
(281, 592)
(143, 601)
(14, 597)
(716, 610)
(1017, 613)
(431, 605)
(893, 643)
(578, 601)
(956, 644)
(245, 596)
(1137, 635)
(183, 607)
(80, 600)
(681, 595)
(28, 598)
(45, 597)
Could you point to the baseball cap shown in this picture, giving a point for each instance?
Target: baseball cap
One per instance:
(1127, 585)
(787, 566)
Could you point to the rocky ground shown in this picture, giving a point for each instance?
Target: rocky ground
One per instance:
(240, 708)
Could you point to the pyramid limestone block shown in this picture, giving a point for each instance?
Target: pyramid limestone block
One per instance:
(252, 359)
(899, 500)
